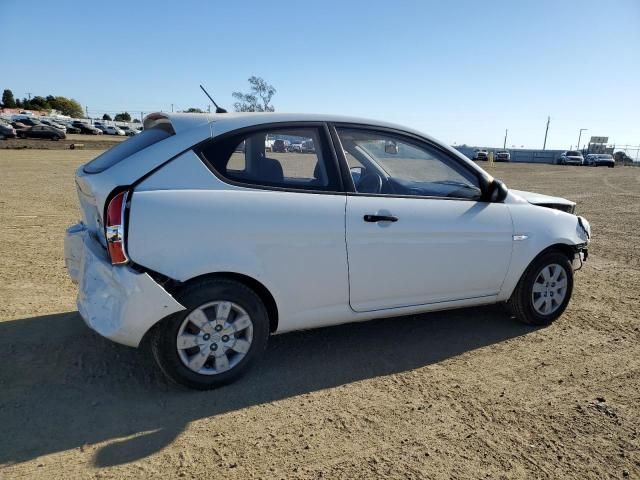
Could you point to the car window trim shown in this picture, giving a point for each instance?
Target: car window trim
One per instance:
(482, 180)
(322, 127)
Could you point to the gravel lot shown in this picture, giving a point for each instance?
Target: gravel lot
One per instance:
(466, 394)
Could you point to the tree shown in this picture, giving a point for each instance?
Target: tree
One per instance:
(7, 99)
(18, 103)
(135, 120)
(194, 110)
(39, 103)
(258, 99)
(106, 117)
(122, 117)
(66, 106)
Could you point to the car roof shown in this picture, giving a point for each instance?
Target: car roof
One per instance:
(233, 120)
(220, 123)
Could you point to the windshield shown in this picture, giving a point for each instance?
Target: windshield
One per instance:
(573, 154)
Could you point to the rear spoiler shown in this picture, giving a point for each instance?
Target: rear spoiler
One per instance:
(158, 120)
(176, 122)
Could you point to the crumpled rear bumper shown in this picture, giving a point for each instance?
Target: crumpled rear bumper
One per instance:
(118, 302)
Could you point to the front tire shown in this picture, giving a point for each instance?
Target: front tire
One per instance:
(544, 291)
(216, 339)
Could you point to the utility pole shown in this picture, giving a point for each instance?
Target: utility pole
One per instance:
(142, 117)
(580, 136)
(209, 108)
(504, 144)
(29, 95)
(545, 133)
(172, 108)
(86, 109)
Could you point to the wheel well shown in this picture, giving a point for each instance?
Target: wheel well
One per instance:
(568, 250)
(253, 284)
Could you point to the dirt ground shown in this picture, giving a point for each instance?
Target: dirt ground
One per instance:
(466, 394)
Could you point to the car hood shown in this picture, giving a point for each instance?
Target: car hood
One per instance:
(545, 200)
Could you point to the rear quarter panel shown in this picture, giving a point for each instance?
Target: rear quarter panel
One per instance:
(292, 243)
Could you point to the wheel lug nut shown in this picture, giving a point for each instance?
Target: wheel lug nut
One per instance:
(206, 337)
(225, 338)
(218, 328)
(214, 347)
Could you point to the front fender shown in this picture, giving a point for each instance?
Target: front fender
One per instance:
(535, 230)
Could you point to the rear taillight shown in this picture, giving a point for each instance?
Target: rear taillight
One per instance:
(114, 226)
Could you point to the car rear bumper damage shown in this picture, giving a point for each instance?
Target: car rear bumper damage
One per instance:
(115, 301)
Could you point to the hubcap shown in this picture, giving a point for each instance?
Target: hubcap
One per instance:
(214, 337)
(549, 289)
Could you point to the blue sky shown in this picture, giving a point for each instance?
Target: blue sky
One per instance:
(462, 71)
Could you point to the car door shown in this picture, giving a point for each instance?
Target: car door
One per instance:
(416, 230)
(37, 131)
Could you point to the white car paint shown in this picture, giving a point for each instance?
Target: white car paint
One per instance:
(117, 302)
(425, 256)
(311, 251)
(113, 130)
(540, 199)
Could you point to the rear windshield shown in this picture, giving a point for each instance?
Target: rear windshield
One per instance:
(125, 149)
(573, 154)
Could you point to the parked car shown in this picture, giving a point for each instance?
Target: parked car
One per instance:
(280, 146)
(480, 154)
(308, 147)
(27, 121)
(101, 127)
(503, 156)
(86, 128)
(598, 159)
(58, 126)
(72, 129)
(571, 157)
(19, 125)
(205, 249)
(128, 131)
(41, 131)
(296, 147)
(113, 130)
(7, 131)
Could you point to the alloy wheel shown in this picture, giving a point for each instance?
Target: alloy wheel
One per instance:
(549, 289)
(214, 337)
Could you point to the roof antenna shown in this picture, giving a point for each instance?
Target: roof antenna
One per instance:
(218, 109)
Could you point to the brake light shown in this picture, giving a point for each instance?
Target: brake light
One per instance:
(114, 228)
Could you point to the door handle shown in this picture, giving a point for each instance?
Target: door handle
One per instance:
(380, 218)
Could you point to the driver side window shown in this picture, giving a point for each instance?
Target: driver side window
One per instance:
(383, 163)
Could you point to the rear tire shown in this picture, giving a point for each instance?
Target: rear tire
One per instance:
(539, 297)
(222, 350)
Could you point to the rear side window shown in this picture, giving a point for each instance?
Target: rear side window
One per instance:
(127, 148)
(295, 158)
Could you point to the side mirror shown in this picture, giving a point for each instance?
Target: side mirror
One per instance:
(356, 174)
(497, 191)
(390, 147)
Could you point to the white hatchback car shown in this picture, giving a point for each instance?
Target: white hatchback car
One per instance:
(197, 240)
(114, 130)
